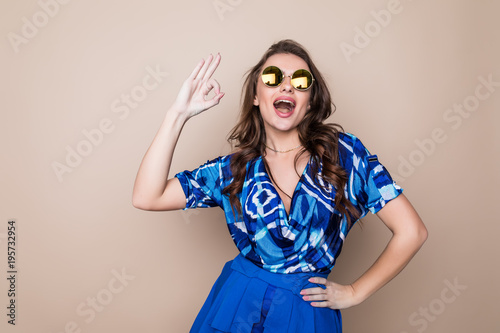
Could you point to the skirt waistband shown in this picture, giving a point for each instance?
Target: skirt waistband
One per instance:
(294, 282)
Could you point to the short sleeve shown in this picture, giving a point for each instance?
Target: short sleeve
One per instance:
(203, 185)
(370, 185)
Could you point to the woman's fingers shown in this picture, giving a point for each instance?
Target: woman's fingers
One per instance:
(214, 101)
(204, 69)
(196, 70)
(313, 291)
(325, 304)
(318, 279)
(202, 75)
(193, 96)
(213, 84)
(212, 67)
(318, 297)
(334, 295)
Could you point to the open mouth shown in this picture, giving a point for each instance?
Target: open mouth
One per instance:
(284, 105)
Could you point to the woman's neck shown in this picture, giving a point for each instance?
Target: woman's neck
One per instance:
(281, 142)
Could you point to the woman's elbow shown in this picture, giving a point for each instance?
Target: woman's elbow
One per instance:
(141, 203)
(418, 234)
(422, 234)
(414, 233)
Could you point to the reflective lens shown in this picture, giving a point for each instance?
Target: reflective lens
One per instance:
(301, 79)
(272, 76)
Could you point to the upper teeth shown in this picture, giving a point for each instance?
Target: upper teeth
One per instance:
(284, 101)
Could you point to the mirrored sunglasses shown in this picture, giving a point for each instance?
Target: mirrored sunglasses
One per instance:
(301, 79)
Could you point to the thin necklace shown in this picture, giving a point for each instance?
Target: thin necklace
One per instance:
(282, 151)
(268, 169)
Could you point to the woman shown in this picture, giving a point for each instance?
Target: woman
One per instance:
(290, 192)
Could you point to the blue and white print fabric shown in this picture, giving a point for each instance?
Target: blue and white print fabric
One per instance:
(310, 237)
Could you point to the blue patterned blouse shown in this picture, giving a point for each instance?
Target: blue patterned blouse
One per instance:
(310, 237)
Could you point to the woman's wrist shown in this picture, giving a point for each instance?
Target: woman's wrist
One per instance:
(176, 116)
(359, 296)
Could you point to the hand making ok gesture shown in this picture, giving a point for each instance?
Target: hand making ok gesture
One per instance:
(192, 98)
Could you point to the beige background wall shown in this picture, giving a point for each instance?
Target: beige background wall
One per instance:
(77, 230)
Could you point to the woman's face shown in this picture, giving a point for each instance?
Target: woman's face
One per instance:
(282, 116)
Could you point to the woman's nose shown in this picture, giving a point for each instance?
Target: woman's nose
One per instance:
(286, 85)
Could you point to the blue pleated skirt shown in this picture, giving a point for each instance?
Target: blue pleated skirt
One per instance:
(248, 299)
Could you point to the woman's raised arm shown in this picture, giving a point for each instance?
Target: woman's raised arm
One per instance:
(152, 189)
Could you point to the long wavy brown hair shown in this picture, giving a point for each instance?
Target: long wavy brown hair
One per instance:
(319, 139)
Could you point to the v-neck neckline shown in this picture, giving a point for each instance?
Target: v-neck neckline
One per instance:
(297, 186)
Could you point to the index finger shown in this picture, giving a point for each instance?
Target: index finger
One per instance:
(213, 84)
